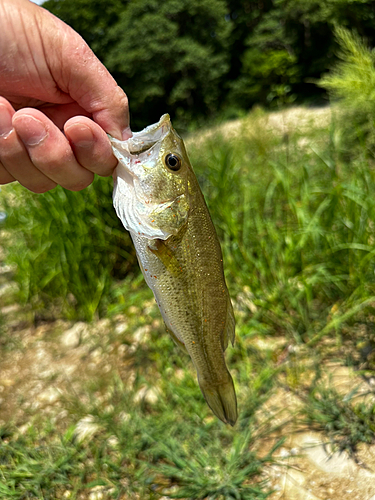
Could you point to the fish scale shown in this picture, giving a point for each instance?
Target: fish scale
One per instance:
(179, 254)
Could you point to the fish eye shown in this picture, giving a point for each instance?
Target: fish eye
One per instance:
(173, 162)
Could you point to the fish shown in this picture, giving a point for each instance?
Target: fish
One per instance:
(158, 199)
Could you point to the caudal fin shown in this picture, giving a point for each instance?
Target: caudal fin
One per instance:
(221, 399)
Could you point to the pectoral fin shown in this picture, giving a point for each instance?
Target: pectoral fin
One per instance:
(166, 255)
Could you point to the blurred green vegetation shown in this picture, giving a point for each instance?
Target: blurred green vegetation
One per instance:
(346, 423)
(66, 248)
(294, 208)
(141, 429)
(352, 82)
(214, 58)
(294, 212)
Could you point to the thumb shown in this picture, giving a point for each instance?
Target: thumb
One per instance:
(79, 73)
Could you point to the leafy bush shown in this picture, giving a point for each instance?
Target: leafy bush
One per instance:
(352, 82)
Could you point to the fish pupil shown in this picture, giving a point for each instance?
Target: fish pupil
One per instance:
(173, 162)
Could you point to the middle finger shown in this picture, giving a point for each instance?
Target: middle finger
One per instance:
(16, 164)
(49, 150)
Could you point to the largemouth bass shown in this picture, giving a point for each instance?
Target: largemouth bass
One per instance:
(158, 199)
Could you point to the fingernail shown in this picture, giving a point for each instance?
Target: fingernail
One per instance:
(6, 126)
(126, 134)
(31, 131)
(80, 135)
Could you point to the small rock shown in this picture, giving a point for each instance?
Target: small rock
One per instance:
(5, 269)
(50, 395)
(121, 328)
(109, 409)
(112, 441)
(156, 324)
(97, 354)
(146, 394)
(179, 374)
(122, 349)
(107, 368)
(97, 493)
(141, 334)
(23, 429)
(72, 338)
(125, 417)
(103, 324)
(7, 287)
(10, 309)
(86, 428)
(134, 310)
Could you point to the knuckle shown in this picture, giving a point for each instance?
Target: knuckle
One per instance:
(123, 98)
(8, 147)
(54, 161)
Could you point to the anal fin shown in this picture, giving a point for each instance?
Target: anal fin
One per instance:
(176, 340)
(229, 328)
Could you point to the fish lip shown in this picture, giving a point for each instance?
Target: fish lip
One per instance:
(145, 140)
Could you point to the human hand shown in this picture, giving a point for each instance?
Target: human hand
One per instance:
(57, 101)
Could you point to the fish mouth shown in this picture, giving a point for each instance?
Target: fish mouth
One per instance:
(144, 140)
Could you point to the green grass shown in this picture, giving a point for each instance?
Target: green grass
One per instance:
(346, 423)
(297, 229)
(295, 221)
(296, 224)
(295, 213)
(140, 448)
(67, 248)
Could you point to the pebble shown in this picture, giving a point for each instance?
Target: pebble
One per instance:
(121, 328)
(141, 334)
(97, 493)
(85, 428)
(146, 394)
(72, 337)
(113, 441)
(50, 395)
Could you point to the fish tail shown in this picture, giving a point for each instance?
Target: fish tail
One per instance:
(221, 398)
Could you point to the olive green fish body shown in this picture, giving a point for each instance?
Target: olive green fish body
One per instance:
(184, 269)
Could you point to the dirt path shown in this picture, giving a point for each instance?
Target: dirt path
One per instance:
(292, 120)
(45, 364)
